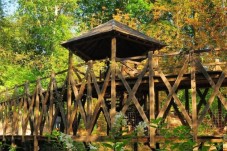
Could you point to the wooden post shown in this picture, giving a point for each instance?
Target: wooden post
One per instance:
(14, 113)
(51, 106)
(36, 143)
(113, 83)
(69, 92)
(25, 110)
(194, 104)
(151, 99)
(36, 114)
(89, 94)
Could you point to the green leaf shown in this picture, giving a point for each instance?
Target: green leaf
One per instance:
(108, 145)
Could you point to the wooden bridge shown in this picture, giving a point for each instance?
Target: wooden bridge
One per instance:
(121, 73)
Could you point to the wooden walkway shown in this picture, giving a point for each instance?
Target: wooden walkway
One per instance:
(194, 94)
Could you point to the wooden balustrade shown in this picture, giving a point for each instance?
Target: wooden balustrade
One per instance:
(82, 97)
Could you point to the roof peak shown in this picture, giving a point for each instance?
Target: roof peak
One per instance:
(96, 41)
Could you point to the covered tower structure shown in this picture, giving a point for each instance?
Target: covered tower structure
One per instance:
(113, 42)
(98, 43)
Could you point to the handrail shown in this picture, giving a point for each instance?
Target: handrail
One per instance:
(129, 59)
(33, 81)
(132, 58)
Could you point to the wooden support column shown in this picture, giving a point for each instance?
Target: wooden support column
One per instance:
(151, 99)
(36, 114)
(25, 110)
(194, 104)
(69, 91)
(89, 94)
(51, 106)
(113, 83)
(36, 143)
(14, 113)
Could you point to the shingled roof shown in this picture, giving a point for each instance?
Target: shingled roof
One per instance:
(96, 43)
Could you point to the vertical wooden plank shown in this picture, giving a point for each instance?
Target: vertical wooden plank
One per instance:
(14, 114)
(24, 116)
(36, 115)
(25, 111)
(113, 83)
(89, 94)
(194, 104)
(42, 112)
(51, 109)
(19, 114)
(151, 99)
(69, 92)
(36, 145)
(30, 118)
(36, 109)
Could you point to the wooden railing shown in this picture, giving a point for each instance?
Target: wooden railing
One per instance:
(128, 82)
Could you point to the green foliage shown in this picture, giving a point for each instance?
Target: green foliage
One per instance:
(63, 141)
(12, 147)
(176, 139)
(45, 24)
(97, 12)
(140, 9)
(181, 133)
(190, 24)
(119, 136)
(34, 33)
(116, 132)
(30, 40)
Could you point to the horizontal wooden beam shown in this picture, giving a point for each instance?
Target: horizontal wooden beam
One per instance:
(131, 58)
(96, 138)
(144, 139)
